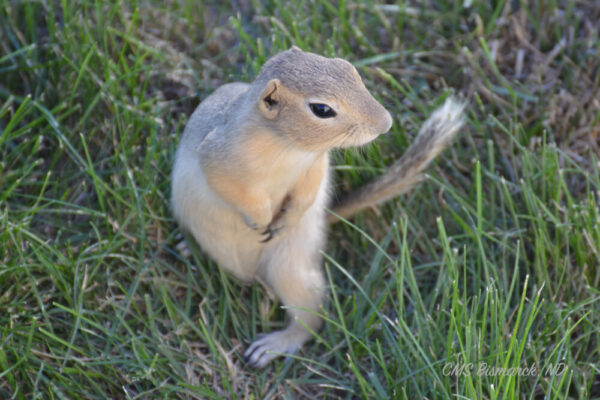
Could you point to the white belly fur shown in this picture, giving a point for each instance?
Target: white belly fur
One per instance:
(219, 229)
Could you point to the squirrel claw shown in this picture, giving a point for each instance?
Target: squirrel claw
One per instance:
(271, 233)
(265, 240)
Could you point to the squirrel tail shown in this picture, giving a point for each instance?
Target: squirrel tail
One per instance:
(433, 137)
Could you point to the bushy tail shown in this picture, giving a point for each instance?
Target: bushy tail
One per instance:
(433, 137)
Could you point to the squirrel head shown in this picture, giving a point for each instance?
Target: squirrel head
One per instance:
(317, 103)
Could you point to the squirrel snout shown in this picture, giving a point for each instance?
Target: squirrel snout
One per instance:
(384, 123)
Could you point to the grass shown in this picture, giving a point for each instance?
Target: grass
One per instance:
(490, 263)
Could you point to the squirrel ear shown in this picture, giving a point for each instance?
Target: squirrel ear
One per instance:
(270, 99)
(295, 48)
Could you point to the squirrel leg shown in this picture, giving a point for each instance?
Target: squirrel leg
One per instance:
(291, 268)
(301, 197)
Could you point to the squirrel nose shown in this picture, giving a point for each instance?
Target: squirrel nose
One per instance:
(386, 122)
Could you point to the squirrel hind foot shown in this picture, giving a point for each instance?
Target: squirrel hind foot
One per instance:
(272, 345)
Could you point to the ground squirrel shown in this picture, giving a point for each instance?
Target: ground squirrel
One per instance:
(251, 177)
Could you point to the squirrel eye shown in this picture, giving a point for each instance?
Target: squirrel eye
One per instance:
(322, 110)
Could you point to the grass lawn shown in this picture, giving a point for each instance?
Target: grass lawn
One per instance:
(480, 283)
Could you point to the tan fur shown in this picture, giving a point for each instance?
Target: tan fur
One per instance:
(251, 179)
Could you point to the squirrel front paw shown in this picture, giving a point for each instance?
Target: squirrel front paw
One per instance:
(269, 230)
(287, 219)
(255, 226)
(270, 233)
